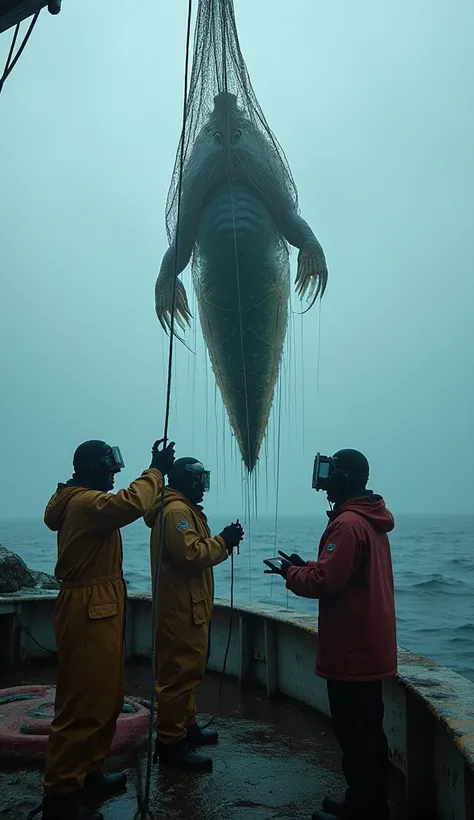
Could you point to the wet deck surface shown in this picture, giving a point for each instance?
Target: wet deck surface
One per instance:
(276, 760)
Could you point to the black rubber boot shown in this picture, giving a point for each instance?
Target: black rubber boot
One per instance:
(334, 805)
(182, 756)
(68, 807)
(201, 737)
(323, 815)
(105, 783)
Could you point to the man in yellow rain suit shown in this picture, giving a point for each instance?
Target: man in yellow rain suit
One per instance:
(89, 621)
(185, 601)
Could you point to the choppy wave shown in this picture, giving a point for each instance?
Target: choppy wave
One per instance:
(440, 583)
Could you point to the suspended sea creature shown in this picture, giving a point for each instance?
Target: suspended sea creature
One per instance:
(238, 214)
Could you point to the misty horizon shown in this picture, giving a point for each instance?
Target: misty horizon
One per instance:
(378, 132)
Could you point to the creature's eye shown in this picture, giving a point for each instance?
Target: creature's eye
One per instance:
(237, 135)
(218, 136)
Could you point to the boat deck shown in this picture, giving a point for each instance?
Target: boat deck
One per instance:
(276, 760)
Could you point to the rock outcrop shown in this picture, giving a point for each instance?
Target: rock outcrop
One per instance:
(15, 575)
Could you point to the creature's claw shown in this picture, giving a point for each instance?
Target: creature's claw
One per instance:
(164, 304)
(312, 273)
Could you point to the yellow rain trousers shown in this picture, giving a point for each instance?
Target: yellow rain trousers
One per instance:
(89, 622)
(185, 601)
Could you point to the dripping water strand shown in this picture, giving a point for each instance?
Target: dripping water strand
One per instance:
(303, 421)
(241, 330)
(277, 488)
(319, 347)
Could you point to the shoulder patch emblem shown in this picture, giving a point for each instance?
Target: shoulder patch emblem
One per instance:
(183, 525)
(331, 547)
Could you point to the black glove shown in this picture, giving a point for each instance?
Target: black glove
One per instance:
(294, 559)
(232, 535)
(285, 565)
(162, 460)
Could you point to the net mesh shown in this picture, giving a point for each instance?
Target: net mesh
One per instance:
(238, 215)
(219, 68)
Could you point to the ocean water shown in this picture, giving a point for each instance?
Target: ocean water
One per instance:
(433, 562)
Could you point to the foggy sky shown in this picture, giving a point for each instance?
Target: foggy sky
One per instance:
(373, 104)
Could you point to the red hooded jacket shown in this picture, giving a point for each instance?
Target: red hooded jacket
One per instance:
(353, 580)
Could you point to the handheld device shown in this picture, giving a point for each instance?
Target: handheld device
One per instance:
(273, 563)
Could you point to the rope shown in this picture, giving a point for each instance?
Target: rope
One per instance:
(277, 478)
(10, 66)
(10, 53)
(143, 797)
(53, 652)
(229, 637)
(302, 382)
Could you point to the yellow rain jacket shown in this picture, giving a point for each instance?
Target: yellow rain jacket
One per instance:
(89, 621)
(185, 602)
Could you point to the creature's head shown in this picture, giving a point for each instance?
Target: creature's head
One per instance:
(96, 464)
(342, 476)
(189, 477)
(232, 145)
(227, 120)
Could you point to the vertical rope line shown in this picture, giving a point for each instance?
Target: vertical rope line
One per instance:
(277, 478)
(143, 808)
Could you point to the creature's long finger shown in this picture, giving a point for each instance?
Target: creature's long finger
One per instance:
(324, 282)
(316, 290)
(317, 285)
(302, 286)
(300, 290)
(180, 321)
(165, 314)
(161, 317)
(182, 314)
(298, 280)
(184, 307)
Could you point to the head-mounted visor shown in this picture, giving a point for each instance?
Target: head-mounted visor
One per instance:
(113, 459)
(200, 475)
(323, 470)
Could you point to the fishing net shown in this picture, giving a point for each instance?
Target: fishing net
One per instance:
(218, 66)
(238, 212)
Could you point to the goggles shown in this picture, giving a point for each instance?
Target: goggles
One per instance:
(113, 459)
(201, 476)
(323, 470)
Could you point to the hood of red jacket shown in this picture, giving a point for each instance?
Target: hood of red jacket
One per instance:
(370, 506)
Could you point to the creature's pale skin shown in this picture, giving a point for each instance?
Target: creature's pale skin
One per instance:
(236, 213)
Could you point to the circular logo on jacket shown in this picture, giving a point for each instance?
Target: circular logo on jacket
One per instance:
(331, 547)
(183, 526)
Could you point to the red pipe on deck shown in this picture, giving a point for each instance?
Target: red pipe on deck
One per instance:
(26, 713)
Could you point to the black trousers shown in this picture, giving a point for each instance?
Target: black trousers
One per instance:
(357, 714)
